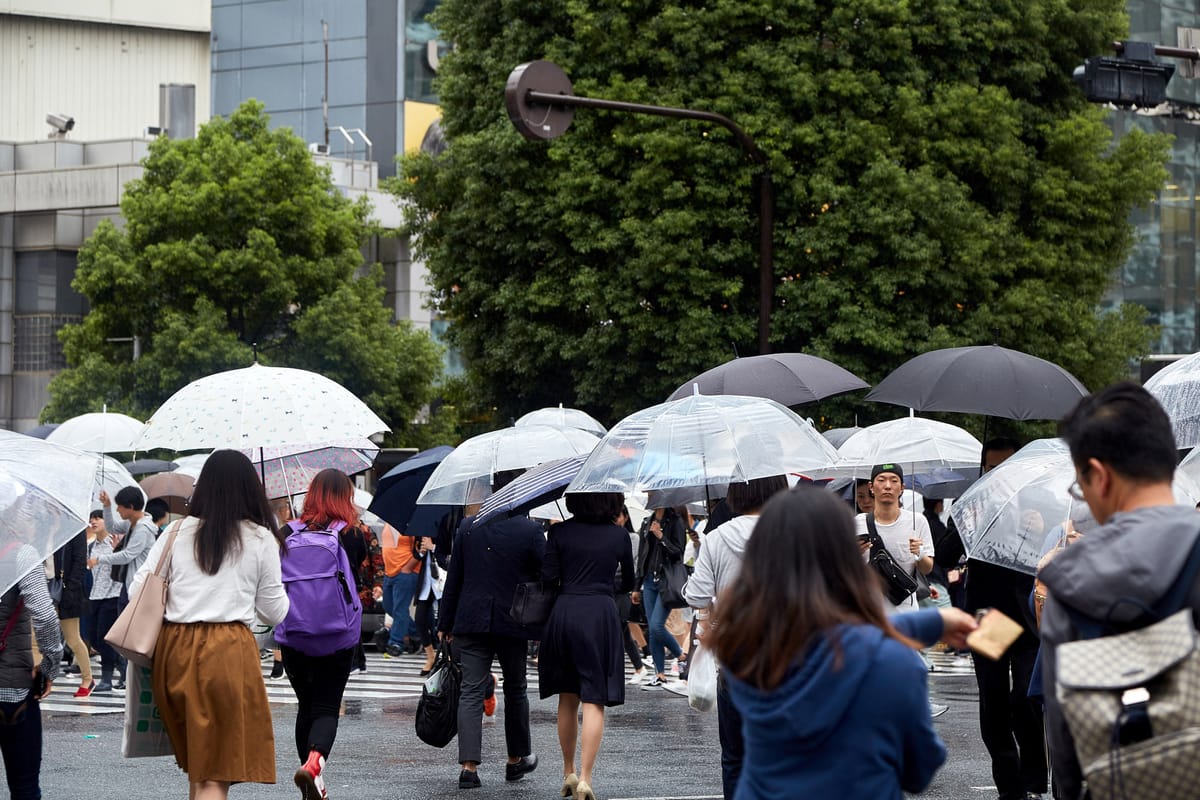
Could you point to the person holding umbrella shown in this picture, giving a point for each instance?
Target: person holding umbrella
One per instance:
(24, 608)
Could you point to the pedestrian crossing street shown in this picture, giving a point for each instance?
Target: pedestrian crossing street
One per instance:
(385, 679)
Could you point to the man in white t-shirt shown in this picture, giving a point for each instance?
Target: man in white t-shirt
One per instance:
(905, 535)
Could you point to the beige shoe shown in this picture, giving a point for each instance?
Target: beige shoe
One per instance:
(569, 784)
(583, 792)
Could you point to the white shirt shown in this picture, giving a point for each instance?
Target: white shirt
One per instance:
(248, 584)
(895, 538)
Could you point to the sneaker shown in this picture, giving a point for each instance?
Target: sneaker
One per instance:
(653, 685)
(102, 686)
(277, 669)
(309, 778)
(119, 685)
(468, 779)
(84, 691)
(937, 709)
(678, 687)
(673, 671)
(647, 662)
(489, 698)
(638, 676)
(393, 651)
(380, 639)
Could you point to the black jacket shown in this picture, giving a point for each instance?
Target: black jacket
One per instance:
(487, 564)
(654, 552)
(70, 562)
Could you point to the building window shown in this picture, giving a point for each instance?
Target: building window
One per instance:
(36, 347)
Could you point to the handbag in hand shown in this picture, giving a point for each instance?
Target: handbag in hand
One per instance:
(135, 632)
(437, 710)
(533, 602)
(673, 576)
(898, 584)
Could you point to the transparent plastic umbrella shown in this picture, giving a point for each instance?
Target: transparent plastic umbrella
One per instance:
(100, 432)
(259, 407)
(563, 418)
(917, 444)
(1004, 517)
(112, 477)
(287, 471)
(1177, 389)
(695, 446)
(46, 493)
(464, 477)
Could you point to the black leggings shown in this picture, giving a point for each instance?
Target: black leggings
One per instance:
(319, 682)
(423, 618)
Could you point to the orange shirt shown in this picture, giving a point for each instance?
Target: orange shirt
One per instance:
(398, 552)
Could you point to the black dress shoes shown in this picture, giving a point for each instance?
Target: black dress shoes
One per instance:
(514, 772)
(468, 779)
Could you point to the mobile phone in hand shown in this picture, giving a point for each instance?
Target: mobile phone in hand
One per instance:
(39, 684)
(864, 537)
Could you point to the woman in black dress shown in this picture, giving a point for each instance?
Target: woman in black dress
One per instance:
(581, 651)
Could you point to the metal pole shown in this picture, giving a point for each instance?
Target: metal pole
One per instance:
(1169, 52)
(766, 188)
(325, 92)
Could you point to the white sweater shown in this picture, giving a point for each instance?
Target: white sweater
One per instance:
(720, 560)
(248, 584)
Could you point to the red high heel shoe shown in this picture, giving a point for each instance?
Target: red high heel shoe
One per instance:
(85, 691)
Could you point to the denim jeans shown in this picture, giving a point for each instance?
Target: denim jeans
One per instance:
(21, 745)
(397, 597)
(656, 616)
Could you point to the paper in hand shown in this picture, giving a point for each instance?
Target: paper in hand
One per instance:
(995, 634)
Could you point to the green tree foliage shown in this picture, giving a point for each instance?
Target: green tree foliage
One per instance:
(232, 240)
(940, 182)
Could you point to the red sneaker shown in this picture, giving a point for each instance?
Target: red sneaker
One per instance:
(489, 698)
(309, 780)
(84, 691)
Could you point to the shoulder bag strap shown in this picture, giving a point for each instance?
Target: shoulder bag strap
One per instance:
(876, 539)
(163, 568)
(12, 621)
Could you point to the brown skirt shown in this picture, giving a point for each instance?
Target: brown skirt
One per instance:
(209, 689)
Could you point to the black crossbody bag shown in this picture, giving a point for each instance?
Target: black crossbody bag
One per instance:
(897, 583)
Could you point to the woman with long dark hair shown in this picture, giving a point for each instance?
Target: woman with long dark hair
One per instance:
(581, 654)
(662, 541)
(318, 669)
(832, 696)
(207, 678)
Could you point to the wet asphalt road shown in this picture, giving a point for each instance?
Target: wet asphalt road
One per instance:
(654, 747)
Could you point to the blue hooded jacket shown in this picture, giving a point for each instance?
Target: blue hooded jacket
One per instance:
(858, 731)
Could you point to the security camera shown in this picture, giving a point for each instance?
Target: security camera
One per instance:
(60, 122)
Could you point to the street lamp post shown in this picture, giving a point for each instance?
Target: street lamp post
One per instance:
(541, 105)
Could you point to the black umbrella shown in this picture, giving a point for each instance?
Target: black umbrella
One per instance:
(147, 466)
(42, 431)
(396, 494)
(787, 378)
(989, 380)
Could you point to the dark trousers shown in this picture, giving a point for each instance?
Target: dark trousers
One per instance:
(1011, 723)
(319, 683)
(624, 606)
(425, 621)
(729, 729)
(102, 615)
(21, 745)
(475, 653)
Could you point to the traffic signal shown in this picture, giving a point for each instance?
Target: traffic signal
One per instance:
(1134, 79)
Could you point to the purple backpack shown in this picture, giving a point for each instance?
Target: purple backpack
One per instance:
(325, 614)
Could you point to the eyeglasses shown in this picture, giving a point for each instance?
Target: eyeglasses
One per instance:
(1076, 491)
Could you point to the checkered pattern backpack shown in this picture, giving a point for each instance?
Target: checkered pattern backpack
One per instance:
(1131, 698)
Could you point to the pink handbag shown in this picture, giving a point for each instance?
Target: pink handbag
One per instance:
(135, 632)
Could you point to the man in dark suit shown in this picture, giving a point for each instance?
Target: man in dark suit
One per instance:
(487, 563)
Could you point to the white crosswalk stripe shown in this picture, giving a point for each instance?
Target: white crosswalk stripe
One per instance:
(948, 664)
(385, 679)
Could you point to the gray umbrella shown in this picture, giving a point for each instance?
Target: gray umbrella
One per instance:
(989, 380)
(787, 378)
(838, 436)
